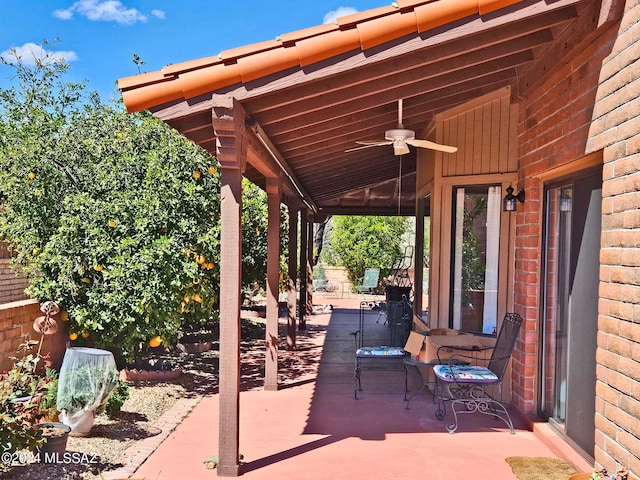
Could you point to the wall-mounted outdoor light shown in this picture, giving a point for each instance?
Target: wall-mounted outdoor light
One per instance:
(509, 202)
(565, 202)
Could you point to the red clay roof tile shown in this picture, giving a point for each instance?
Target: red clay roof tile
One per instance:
(315, 49)
(383, 29)
(361, 30)
(299, 35)
(487, 6)
(436, 14)
(267, 62)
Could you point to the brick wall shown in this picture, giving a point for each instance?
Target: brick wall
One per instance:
(591, 104)
(553, 130)
(616, 130)
(12, 284)
(16, 325)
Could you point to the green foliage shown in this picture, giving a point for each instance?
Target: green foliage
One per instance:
(359, 243)
(473, 266)
(118, 396)
(254, 235)
(114, 216)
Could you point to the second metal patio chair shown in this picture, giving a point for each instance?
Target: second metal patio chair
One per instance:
(466, 385)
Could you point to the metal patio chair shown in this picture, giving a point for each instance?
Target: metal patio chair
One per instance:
(379, 346)
(465, 385)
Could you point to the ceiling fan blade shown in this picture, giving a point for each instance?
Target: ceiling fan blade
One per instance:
(375, 143)
(432, 145)
(368, 144)
(359, 148)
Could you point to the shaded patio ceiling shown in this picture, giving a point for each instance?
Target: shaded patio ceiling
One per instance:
(309, 114)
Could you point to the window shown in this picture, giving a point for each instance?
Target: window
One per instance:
(475, 248)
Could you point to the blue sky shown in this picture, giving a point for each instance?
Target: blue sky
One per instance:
(98, 38)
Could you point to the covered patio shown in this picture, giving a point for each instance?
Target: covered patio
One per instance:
(313, 428)
(287, 113)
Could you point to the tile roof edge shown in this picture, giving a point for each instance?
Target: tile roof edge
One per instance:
(362, 30)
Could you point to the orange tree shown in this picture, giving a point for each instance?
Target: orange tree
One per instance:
(113, 216)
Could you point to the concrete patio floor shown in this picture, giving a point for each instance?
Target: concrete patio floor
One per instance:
(313, 428)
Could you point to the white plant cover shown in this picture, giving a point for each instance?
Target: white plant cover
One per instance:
(87, 377)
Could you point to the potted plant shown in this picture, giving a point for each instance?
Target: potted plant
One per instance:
(87, 377)
(21, 392)
(601, 474)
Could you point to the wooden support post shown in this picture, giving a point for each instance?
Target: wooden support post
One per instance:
(232, 158)
(273, 277)
(304, 250)
(293, 275)
(309, 265)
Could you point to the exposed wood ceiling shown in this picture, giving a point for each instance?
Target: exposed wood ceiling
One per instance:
(312, 115)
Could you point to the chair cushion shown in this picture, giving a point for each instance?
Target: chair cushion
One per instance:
(464, 373)
(380, 351)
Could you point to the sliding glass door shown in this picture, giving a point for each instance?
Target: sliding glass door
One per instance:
(569, 309)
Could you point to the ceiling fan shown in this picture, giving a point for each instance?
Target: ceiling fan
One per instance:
(401, 138)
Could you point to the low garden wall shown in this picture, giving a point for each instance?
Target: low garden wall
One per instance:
(16, 326)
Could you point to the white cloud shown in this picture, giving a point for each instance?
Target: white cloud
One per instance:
(107, 11)
(158, 13)
(331, 16)
(30, 52)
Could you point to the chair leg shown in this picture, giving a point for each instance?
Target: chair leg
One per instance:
(357, 383)
(441, 411)
(475, 399)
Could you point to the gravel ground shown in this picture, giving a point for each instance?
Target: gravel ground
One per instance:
(110, 437)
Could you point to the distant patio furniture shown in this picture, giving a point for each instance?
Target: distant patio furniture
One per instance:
(465, 385)
(320, 284)
(369, 282)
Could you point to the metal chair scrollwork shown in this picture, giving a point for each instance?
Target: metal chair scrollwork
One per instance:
(465, 386)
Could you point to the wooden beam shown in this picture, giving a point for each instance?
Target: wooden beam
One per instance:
(578, 33)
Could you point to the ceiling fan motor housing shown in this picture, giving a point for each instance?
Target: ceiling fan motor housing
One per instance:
(399, 134)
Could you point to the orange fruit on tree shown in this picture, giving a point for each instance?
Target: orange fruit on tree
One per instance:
(73, 336)
(85, 334)
(212, 169)
(98, 268)
(196, 175)
(32, 175)
(155, 342)
(64, 315)
(112, 223)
